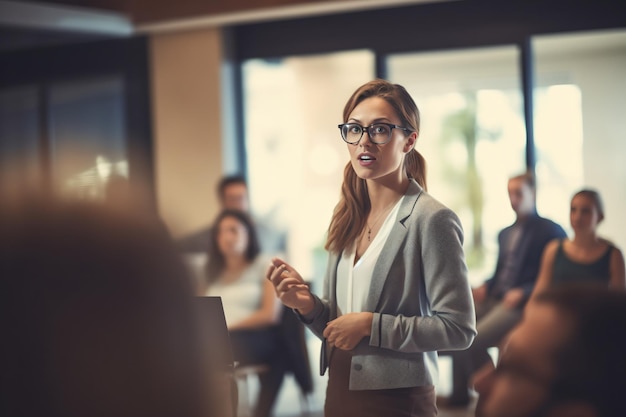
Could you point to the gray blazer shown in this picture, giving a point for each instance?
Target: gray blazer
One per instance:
(419, 294)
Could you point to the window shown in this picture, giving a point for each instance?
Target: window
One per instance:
(70, 115)
(87, 135)
(472, 137)
(580, 98)
(295, 153)
(19, 136)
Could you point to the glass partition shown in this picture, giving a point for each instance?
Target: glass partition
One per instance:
(472, 136)
(295, 158)
(19, 137)
(87, 133)
(295, 154)
(580, 97)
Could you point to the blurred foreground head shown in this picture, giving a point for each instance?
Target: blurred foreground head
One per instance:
(565, 359)
(97, 314)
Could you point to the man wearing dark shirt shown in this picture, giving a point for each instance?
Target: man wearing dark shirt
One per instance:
(500, 300)
(232, 192)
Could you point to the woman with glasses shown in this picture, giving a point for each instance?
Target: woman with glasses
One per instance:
(396, 288)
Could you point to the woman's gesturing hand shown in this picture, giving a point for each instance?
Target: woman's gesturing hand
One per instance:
(289, 285)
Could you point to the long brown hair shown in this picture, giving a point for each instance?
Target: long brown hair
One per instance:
(351, 212)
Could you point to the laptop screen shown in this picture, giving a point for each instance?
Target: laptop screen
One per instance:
(216, 334)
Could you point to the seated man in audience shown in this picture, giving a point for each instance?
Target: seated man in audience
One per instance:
(500, 300)
(565, 359)
(233, 194)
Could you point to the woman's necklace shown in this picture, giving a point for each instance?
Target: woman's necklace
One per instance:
(385, 211)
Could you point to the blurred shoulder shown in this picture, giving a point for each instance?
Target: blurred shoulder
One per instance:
(552, 246)
(547, 222)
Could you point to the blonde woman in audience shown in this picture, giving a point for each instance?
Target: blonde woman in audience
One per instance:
(586, 257)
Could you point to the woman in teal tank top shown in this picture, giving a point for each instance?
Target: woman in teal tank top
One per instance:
(567, 270)
(586, 257)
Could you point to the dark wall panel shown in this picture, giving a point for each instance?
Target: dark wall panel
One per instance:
(430, 26)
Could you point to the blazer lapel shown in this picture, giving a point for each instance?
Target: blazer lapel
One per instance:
(392, 246)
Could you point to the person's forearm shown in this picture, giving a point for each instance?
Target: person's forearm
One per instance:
(307, 306)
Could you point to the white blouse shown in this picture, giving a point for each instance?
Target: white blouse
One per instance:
(353, 279)
(241, 298)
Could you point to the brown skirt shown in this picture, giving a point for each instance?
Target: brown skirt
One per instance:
(396, 402)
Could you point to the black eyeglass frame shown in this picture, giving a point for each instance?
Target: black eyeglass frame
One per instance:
(367, 128)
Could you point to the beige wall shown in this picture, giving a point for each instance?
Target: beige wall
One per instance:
(604, 99)
(186, 97)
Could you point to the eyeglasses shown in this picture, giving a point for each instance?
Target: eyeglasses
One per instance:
(379, 133)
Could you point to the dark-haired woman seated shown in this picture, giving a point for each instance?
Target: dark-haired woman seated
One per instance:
(235, 271)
